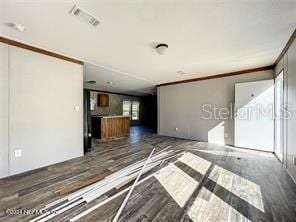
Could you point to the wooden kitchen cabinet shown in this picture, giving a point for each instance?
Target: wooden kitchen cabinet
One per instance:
(106, 127)
(103, 100)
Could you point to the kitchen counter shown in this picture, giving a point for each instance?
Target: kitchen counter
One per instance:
(108, 117)
(110, 126)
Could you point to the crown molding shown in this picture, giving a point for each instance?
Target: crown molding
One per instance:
(39, 50)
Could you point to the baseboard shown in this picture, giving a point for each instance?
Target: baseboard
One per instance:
(290, 175)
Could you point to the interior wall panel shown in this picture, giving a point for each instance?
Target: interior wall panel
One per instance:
(290, 67)
(174, 111)
(205, 96)
(46, 111)
(3, 110)
(181, 106)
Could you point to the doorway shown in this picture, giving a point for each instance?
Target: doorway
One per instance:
(254, 119)
(87, 121)
(279, 118)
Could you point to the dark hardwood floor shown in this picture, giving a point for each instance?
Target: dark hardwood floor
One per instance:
(208, 183)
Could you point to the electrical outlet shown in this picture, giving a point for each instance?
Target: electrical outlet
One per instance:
(18, 153)
(76, 108)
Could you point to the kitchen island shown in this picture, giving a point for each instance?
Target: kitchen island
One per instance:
(105, 127)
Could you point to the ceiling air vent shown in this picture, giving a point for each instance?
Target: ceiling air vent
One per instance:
(84, 16)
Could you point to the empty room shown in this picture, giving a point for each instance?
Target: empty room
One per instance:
(161, 110)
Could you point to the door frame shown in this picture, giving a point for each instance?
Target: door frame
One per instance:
(87, 121)
(279, 77)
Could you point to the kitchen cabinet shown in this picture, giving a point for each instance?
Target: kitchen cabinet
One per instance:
(103, 100)
(105, 127)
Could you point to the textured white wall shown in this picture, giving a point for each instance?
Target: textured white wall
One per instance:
(180, 106)
(254, 122)
(288, 64)
(43, 124)
(3, 110)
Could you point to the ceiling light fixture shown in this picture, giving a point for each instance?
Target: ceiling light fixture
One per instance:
(16, 26)
(84, 16)
(161, 48)
(91, 82)
(110, 83)
(181, 72)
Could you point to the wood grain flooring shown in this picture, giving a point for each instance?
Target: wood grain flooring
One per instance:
(208, 183)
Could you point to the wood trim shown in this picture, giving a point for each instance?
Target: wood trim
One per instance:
(38, 50)
(285, 49)
(278, 73)
(219, 75)
(82, 184)
(115, 127)
(103, 100)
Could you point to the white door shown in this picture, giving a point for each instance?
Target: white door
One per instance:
(279, 123)
(254, 119)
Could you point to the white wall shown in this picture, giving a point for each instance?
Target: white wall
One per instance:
(3, 110)
(288, 64)
(180, 106)
(43, 123)
(254, 119)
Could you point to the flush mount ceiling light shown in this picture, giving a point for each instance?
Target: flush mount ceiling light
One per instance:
(110, 83)
(91, 82)
(181, 72)
(84, 16)
(161, 48)
(16, 26)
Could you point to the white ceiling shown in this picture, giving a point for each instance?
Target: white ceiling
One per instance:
(204, 37)
(124, 83)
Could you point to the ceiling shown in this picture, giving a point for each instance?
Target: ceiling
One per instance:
(204, 37)
(123, 82)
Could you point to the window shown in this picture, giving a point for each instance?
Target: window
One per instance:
(93, 101)
(135, 110)
(131, 109)
(126, 108)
